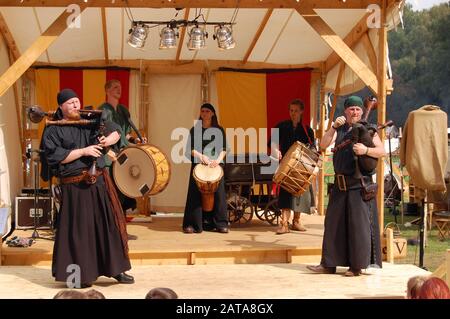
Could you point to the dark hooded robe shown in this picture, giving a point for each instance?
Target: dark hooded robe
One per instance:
(194, 215)
(352, 236)
(87, 231)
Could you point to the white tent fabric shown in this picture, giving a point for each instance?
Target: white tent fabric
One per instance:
(10, 154)
(168, 112)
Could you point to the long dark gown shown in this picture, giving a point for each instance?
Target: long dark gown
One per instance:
(352, 236)
(194, 215)
(86, 231)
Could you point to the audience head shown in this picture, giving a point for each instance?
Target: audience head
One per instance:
(434, 288)
(94, 294)
(161, 293)
(414, 285)
(70, 294)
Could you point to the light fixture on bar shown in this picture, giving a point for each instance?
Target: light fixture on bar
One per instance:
(224, 37)
(138, 35)
(168, 37)
(197, 38)
(197, 34)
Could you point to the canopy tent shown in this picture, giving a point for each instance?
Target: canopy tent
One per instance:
(339, 40)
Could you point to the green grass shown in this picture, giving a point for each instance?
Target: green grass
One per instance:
(435, 249)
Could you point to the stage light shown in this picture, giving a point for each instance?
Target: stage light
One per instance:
(197, 38)
(138, 35)
(224, 37)
(168, 38)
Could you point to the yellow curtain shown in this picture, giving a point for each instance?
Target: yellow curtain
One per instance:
(93, 87)
(47, 87)
(242, 103)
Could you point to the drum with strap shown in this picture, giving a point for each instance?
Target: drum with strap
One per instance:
(207, 179)
(141, 170)
(297, 169)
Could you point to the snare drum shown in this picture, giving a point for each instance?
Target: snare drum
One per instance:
(207, 180)
(141, 170)
(297, 169)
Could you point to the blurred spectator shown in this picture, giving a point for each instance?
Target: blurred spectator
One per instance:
(94, 294)
(70, 294)
(161, 293)
(414, 285)
(434, 288)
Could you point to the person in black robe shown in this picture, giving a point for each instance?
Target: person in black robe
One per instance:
(289, 132)
(90, 238)
(351, 235)
(206, 145)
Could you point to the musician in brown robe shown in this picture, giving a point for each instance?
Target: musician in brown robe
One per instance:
(90, 230)
(351, 236)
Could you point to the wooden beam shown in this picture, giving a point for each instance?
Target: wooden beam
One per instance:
(370, 51)
(105, 35)
(41, 44)
(381, 110)
(447, 259)
(182, 67)
(322, 105)
(19, 115)
(350, 40)
(9, 39)
(317, 4)
(389, 245)
(337, 91)
(341, 48)
(182, 35)
(257, 35)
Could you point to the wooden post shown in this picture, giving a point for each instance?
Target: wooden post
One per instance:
(1, 246)
(390, 245)
(447, 273)
(322, 106)
(381, 110)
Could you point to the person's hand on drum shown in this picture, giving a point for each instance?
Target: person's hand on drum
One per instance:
(339, 122)
(137, 140)
(213, 163)
(205, 159)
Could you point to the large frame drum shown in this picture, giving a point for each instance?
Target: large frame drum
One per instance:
(207, 180)
(297, 169)
(141, 170)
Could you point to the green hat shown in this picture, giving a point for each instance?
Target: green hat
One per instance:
(353, 101)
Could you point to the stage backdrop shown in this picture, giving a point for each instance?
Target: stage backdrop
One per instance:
(87, 83)
(260, 100)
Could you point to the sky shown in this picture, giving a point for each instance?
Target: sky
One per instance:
(424, 4)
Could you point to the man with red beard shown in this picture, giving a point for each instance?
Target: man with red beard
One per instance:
(351, 236)
(90, 236)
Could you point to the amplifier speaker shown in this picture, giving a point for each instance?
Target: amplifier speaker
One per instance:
(25, 212)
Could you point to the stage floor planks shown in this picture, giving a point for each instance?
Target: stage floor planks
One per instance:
(263, 281)
(163, 242)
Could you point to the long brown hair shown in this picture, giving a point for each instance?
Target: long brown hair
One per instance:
(214, 120)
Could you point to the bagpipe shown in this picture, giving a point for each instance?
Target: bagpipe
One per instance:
(363, 132)
(84, 117)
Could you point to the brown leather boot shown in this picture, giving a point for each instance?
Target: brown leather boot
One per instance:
(296, 225)
(284, 224)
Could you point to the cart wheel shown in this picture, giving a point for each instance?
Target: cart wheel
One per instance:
(260, 214)
(240, 209)
(272, 213)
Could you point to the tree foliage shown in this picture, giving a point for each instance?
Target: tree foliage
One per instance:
(420, 59)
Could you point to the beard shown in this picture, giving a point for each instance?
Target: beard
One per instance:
(73, 116)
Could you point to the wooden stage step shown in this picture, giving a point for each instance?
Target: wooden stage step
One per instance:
(162, 242)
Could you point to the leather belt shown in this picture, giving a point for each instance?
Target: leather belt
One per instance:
(345, 182)
(83, 177)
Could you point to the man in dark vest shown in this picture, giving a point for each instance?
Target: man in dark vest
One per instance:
(352, 236)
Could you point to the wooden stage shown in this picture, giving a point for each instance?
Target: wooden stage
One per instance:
(162, 242)
(249, 262)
